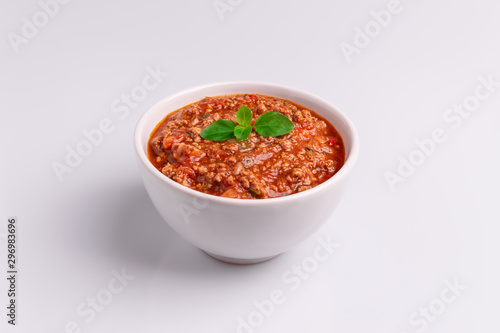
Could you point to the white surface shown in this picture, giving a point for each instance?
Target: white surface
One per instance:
(395, 249)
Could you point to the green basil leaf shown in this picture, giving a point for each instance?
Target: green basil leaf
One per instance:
(244, 116)
(219, 130)
(242, 132)
(273, 124)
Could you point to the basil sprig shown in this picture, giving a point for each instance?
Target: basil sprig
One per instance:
(267, 124)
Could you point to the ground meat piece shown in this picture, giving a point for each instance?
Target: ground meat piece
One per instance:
(183, 151)
(157, 146)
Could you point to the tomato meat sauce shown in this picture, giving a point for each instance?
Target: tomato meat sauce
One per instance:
(256, 168)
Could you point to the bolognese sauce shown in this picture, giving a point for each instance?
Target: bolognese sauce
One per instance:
(256, 168)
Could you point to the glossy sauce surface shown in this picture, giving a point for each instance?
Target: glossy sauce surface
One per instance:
(257, 168)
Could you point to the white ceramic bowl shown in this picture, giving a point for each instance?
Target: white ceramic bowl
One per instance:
(238, 230)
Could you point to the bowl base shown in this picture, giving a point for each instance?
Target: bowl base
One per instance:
(238, 261)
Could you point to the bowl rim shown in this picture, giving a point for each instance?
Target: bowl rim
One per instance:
(349, 163)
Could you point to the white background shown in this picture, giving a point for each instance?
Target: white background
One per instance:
(396, 248)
